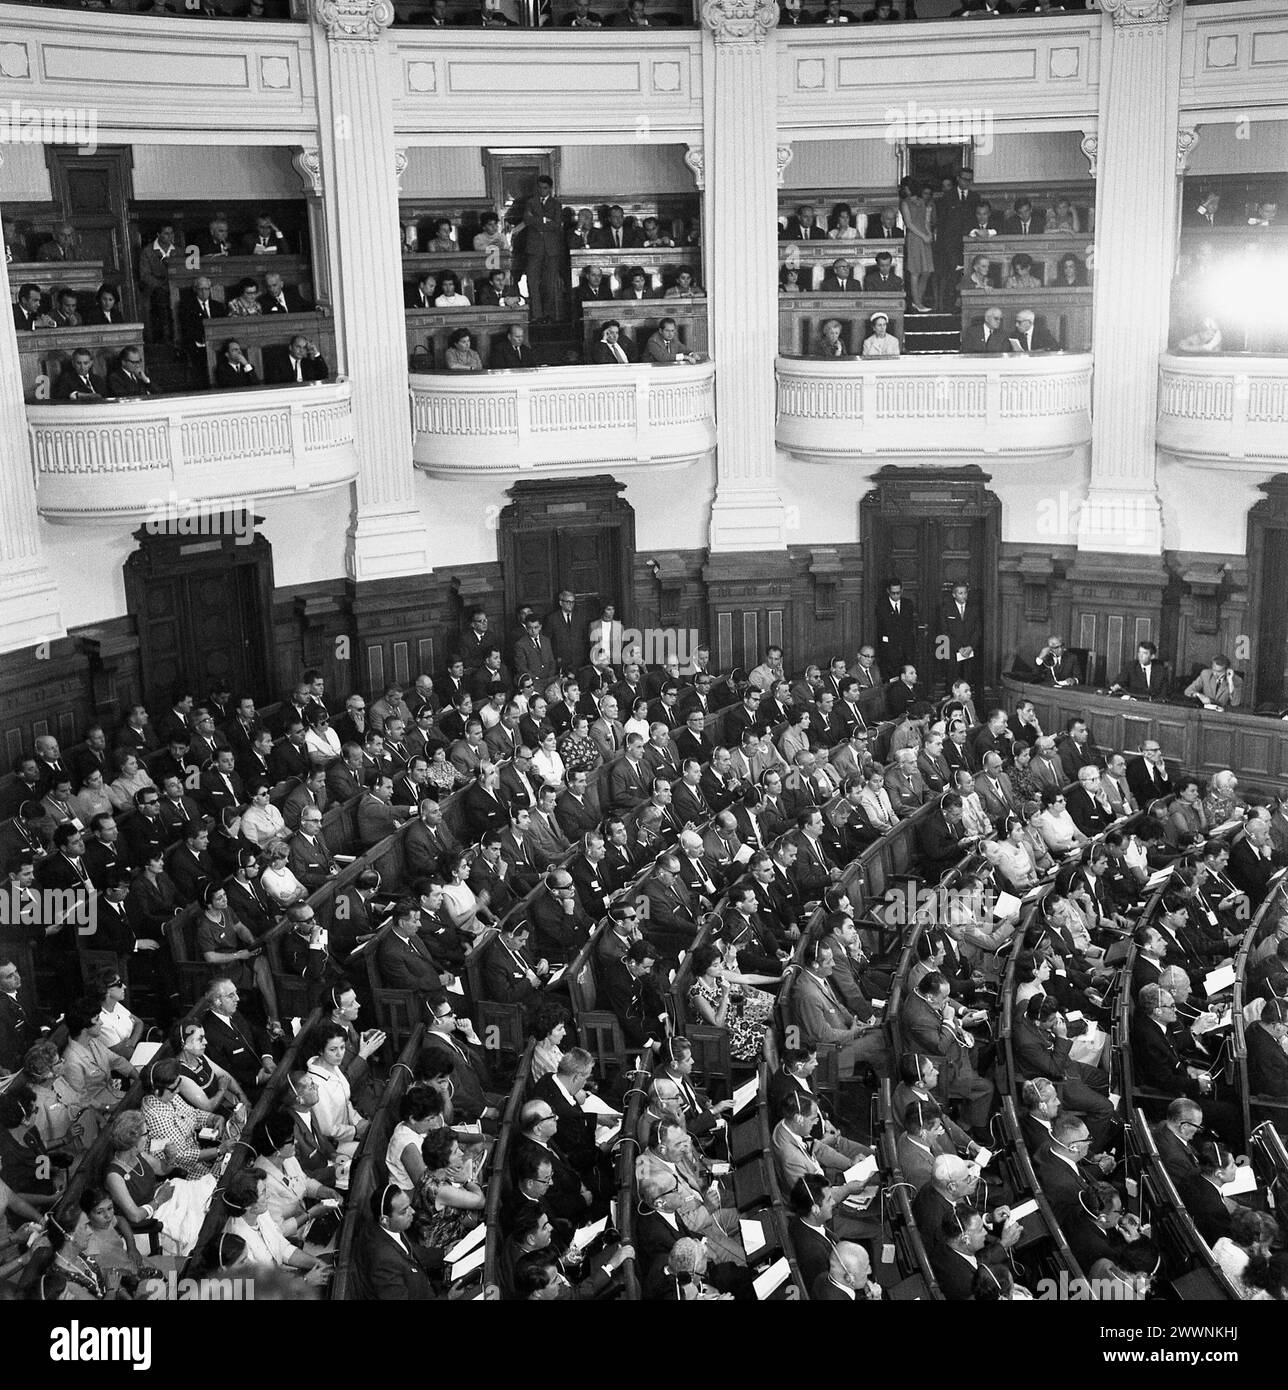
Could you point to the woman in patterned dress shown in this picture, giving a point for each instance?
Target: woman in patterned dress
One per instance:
(726, 999)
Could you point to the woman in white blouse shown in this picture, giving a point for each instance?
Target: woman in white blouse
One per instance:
(548, 1028)
(131, 778)
(420, 1110)
(261, 821)
(293, 1197)
(334, 1114)
(321, 742)
(1056, 824)
(547, 763)
(259, 1238)
(1010, 858)
(459, 903)
(842, 228)
(638, 722)
(449, 294)
(118, 1029)
(278, 881)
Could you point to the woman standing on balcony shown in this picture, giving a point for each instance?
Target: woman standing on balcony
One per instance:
(918, 213)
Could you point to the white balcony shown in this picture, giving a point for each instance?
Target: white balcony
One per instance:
(1007, 407)
(1231, 409)
(124, 459)
(559, 419)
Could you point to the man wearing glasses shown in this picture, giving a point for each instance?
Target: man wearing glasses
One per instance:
(473, 1097)
(1055, 665)
(144, 834)
(746, 716)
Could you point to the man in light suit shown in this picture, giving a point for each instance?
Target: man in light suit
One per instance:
(994, 789)
(378, 817)
(1046, 770)
(1217, 685)
(904, 784)
(826, 1024)
(607, 731)
(546, 839)
(1116, 788)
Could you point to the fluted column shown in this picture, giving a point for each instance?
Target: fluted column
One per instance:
(740, 225)
(360, 193)
(29, 606)
(1135, 154)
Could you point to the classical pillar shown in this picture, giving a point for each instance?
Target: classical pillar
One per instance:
(307, 162)
(740, 223)
(360, 193)
(29, 607)
(1134, 158)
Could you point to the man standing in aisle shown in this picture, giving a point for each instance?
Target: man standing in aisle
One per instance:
(543, 218)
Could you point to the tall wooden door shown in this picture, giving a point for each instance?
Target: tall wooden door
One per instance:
(931, 529)
(567, 534)
(93, 192)
(203, 610)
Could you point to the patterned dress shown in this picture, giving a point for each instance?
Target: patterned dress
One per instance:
(749, 1014)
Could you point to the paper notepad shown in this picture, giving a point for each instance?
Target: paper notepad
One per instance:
(744, 1095)
(467, 1265)
(744, 853)
(583, 1235)
(1034, 893)
(1006, 905)
(453, 986)
(753, 1236)
(864, 1169)
(773, 1278)
(1024, 1209)
(984, 1157)
(144, 1053)
(1244, 1180)
(554, 975)
(594, 1105)
(1161, 876)
(1217, 980)
(466, 1243)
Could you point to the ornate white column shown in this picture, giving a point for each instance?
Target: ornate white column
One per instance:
(360, 194)
(307, 162)
(738, 166)
(1134, 159)
(29, 606)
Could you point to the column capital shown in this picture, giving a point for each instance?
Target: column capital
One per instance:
(400, 167)
(1134, 13)
(362, 20)
(782, 157)
(739, 21)
(695, 156)
(1186, 139)
(307, 163)
(1090, 147)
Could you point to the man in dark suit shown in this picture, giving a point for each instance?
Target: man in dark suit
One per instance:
(616, 236)
(1029, 336)
(483, 805)
(512, 351)
(1252, 864)
(473, 1095)
(404, 962)
(390, 1265)
(565, 626)
(940, 836)
(560, 923)
(803, 226)
(1267, 1063)
(232, 1041)
(987, 335)
(544, 249)
(128, 378)
(954, 215)
(840, 278)
(1158, 1064)
(197, 307)
(1146, 678)
(1147, 776)
(896, 621)
(1024, 221)
(279, 298)
(611, 349)
(573, 812)
(78, 381)
(881, 279)
(301, 361)
(961, 623)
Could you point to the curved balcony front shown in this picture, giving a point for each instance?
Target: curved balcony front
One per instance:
(559, 419)
(1233, 409)
(994, 406)
(156, 456)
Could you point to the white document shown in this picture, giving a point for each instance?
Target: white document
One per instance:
(1217, 980)
(1232, 824)
(862, 1170)
(1161, 876)
(984, 1157)
(753, 1236)
(471, 1262)
(144, 1053)
(550, 979)
(1024, 1209)
(1244, 1180)
(594, 1105)
(1035, 892)
(774, 1277)
(453, 986)
(744, 1095)
(466, 1243)
(1006, 905)
(744, 853)
(583, 1235)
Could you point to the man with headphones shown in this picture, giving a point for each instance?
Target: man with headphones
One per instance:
(390, 1266)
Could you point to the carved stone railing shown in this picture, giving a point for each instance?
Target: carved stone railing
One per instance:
(996, 405)
(1233, 408)
(562, 418)
(135, 458)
